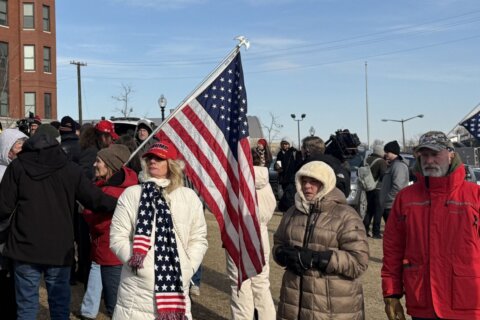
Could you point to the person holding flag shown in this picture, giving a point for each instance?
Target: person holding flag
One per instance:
(210, 130)
(159, 232)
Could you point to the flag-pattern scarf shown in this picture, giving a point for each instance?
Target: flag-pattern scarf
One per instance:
(169, 296)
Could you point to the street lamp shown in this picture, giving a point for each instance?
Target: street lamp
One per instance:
(298, 124)
(402, 121)
(162, 103)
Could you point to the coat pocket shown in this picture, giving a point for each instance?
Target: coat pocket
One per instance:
(465, 287)
(414, 283)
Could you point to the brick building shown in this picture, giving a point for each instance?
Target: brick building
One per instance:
(28, 71)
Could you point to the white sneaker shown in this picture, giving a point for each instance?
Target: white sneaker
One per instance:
(195, 290)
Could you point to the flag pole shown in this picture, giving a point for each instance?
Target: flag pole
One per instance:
(242, 41)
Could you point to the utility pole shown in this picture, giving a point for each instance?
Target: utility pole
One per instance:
(79, 82)
(366, 107)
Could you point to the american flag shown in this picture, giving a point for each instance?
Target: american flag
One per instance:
(472, 124)
(169, 296)
(210, 131)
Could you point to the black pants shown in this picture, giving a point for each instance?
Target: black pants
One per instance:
(288, 197)
(8, 306)
(386, 213)
(374, 211)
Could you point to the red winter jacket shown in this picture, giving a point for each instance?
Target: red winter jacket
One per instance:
(431, 247)
(99, 223)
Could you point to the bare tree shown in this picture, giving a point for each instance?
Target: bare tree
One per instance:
(272, 128)
(124, 98)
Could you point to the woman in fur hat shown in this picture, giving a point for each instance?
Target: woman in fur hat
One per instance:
(113, 178)
(321, 241)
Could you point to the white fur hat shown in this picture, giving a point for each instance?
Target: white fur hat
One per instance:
(320, 171)
(378, 150)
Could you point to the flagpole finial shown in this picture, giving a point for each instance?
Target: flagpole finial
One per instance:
(243, 41)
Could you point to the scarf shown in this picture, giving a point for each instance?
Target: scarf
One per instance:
(169, 296)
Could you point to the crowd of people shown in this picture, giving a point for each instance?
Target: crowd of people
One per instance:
(75, 206)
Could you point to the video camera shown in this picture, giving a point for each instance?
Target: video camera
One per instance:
(24, 124)
(342, 145)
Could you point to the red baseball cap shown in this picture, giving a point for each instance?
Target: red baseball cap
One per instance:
(162, 149)
(106, 126)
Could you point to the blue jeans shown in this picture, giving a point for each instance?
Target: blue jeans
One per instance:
(197, 276)
(93, 294)
(27, 282)
(110, 281)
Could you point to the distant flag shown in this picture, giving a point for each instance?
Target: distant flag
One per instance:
(472, 124)
(210, 130)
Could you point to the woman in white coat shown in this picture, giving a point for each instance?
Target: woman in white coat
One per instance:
(159, 232)
(255, 292)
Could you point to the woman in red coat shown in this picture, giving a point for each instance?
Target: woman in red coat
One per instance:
(113, 178)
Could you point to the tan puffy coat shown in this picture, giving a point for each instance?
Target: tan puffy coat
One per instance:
(337, 293)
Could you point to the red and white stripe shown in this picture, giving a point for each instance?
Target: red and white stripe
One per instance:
(226, 184)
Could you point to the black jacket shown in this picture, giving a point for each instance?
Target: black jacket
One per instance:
(41, 186)
(70, 144)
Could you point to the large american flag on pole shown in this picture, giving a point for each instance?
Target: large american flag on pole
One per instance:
(472, 124)
(210, 130)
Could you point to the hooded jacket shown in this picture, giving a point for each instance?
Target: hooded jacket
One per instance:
(8, 137)
(99, 223)
(324, 223)
(40, 187)
(431, 247)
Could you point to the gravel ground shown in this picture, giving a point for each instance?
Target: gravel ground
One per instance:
(213, 303)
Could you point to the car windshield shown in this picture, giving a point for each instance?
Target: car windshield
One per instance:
(357, 160)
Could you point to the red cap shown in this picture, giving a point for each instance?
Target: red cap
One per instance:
(263, 142)
(37, 120)
(162, 149)
(106, 126)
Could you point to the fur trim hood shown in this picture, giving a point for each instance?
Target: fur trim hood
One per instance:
(320, 171)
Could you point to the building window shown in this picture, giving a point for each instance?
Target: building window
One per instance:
(47, 104)
(29, 98)
(29, 58)
(4, 79)
(28, 17)
(47, 61)
(46, 18)
(3, 13)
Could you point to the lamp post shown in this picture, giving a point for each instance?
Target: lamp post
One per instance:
(402, 121)
(298, 124)
(162, 103)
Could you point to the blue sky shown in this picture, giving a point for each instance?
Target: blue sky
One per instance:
(306, 56)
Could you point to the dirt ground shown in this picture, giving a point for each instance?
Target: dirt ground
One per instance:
(213, 303)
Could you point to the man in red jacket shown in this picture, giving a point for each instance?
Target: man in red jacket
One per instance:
(432, 239)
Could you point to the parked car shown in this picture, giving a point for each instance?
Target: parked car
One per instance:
(128, 125)
(358, 196)
(472, 174)
(476, 172)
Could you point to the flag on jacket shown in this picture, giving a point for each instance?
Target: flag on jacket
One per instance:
(210, 130)
(472, 124)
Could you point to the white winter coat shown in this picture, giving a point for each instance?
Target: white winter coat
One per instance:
(136, 291)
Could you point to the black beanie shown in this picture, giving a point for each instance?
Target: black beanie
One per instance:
(392, 147)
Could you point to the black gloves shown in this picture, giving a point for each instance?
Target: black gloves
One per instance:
(284, 254)
(298, 259)
(314, 259)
